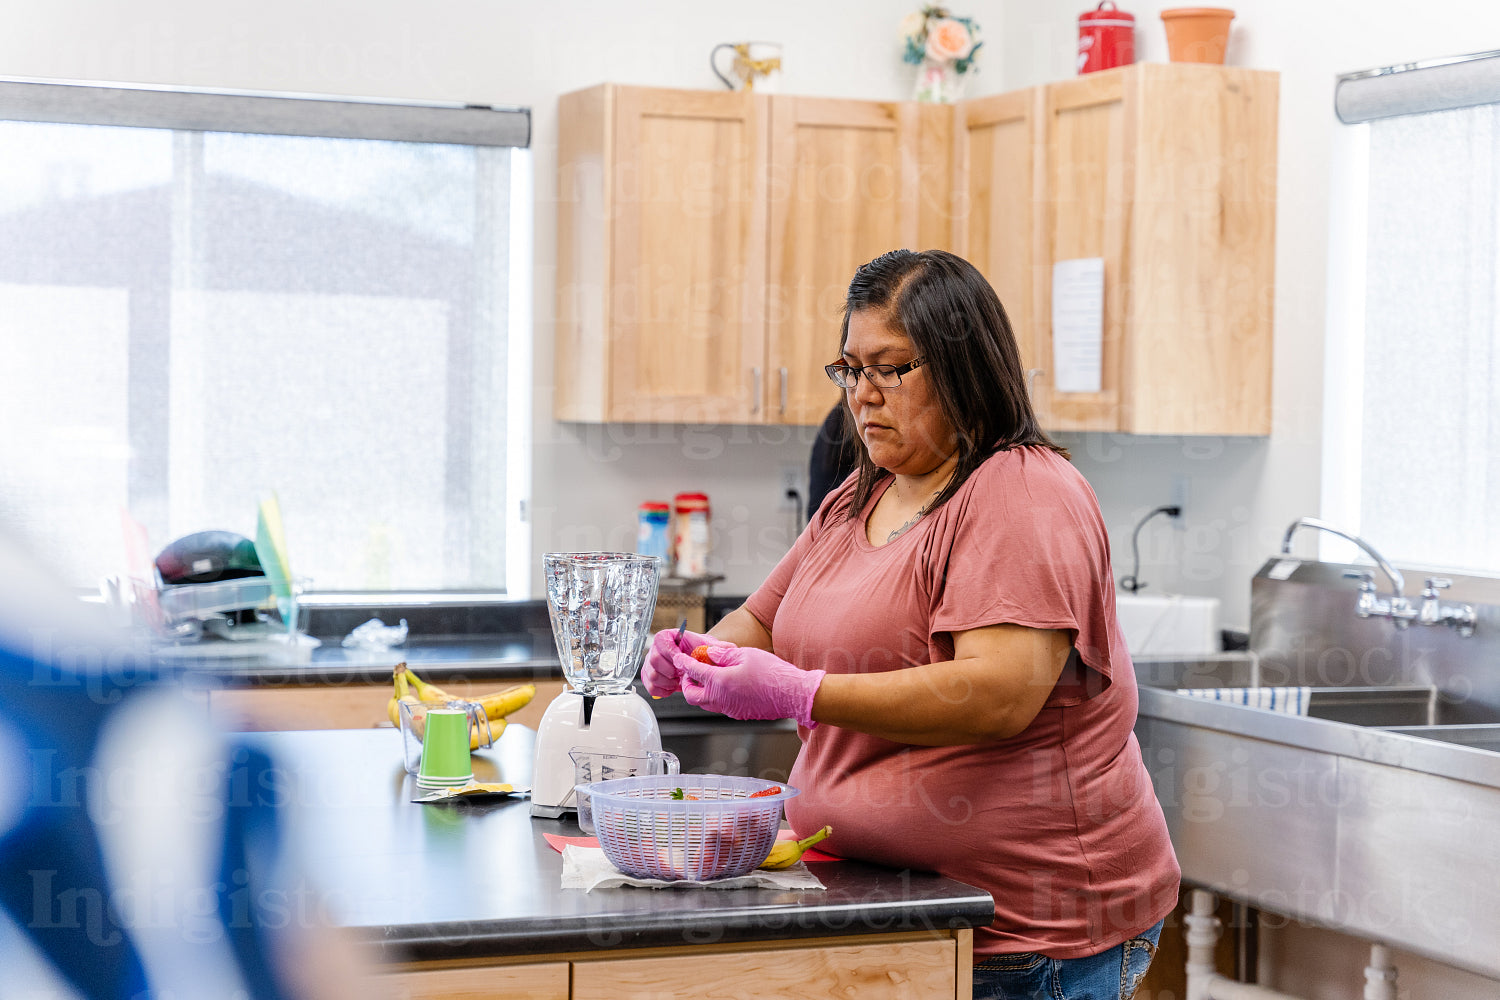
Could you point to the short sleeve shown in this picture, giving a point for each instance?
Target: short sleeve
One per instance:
(1026, 546)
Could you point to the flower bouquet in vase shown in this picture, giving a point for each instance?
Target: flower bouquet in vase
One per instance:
(942, 47)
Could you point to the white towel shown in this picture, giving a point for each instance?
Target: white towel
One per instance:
(587, 868)
(1286, 700)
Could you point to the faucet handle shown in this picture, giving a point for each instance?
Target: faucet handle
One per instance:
(1365, 606)
(1435, 584)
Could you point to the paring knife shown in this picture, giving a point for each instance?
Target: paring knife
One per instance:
(678, 643)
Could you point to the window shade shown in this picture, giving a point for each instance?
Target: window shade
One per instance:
(1427, 264)
(262, 114)
(1418, 88)
(192, 316)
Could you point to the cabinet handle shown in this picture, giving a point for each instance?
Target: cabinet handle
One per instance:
(754, 391)
(1031, 375)
(782, 372)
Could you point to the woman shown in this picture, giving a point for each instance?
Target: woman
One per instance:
(944, 633)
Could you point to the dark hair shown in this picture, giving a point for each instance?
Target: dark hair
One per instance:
(956, 322)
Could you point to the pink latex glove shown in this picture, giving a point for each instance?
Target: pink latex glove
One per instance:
(658, 673)
(748, 683)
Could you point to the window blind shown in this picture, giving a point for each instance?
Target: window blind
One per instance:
(1418, 88)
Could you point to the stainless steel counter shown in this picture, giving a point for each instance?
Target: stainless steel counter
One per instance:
(1378, 819)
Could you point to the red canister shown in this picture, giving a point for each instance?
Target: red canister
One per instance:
(1106, 38)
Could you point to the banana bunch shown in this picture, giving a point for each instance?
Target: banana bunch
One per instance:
(410, 688)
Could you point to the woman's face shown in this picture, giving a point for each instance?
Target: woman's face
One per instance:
(903, 428)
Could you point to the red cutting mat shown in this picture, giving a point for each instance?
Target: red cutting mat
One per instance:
(557, 843)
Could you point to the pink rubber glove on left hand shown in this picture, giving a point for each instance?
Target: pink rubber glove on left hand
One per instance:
(658, 674)
(748, 683)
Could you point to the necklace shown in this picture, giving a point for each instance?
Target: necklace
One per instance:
(921, 511)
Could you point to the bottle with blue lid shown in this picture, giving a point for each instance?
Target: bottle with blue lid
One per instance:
(654, 533)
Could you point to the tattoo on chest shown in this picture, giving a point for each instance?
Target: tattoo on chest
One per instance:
(901, 530)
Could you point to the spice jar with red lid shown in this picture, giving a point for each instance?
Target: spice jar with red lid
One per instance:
(690, 534)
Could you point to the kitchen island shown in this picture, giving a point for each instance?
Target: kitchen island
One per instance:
(465, 898)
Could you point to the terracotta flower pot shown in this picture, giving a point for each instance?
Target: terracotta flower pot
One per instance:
(1197, 34)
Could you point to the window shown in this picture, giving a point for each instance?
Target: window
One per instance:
(1413, 370)
(320, 297)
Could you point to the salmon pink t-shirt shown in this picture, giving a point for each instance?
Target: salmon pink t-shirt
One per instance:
(1058, 823)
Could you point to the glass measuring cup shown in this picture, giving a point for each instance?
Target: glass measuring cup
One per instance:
(414, 726)
(590, 766)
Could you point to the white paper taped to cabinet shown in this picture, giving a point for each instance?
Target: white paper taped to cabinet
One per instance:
(1286, 700)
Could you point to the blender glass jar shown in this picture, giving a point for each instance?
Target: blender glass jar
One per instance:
(601, 605)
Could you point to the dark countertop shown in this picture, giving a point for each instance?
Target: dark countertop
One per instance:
(510, 640)
(426, 882)
(518, 656)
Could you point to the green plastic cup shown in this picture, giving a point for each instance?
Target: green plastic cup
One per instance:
(445, 749)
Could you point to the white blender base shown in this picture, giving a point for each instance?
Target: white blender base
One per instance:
(619, 723)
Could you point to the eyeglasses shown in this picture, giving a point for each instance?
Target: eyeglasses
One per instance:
(880, 376)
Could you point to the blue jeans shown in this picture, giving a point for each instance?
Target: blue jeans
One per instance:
(1109, 975)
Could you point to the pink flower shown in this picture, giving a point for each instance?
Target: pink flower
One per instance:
(948, 40)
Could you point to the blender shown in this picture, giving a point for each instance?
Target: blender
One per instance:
(600, 604)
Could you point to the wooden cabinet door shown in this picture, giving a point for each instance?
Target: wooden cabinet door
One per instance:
(1202, 250)
(995, 155)
(1085, 185)
(909, 970)
(687, 256)
(845, 186)
(495, 982)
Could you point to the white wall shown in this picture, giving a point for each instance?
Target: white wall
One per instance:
(587, 481)
(1242, 498)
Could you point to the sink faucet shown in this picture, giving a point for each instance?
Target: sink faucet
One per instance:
(1397, 608)
(1435, 612)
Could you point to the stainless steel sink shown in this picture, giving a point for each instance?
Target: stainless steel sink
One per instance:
(1482, 737)
(1370, 814)
(1391, 705)
(1384, 705)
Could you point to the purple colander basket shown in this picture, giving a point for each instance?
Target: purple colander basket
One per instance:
(648, 834)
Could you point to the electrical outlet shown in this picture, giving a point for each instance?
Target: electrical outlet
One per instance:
(1179, 499)
(791, 479)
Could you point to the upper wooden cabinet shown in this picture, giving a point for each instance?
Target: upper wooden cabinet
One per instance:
(706, 241)
(661, 256)
(849, 180)
(997, 210)
(1167, 171)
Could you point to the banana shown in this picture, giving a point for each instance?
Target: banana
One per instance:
(408, 687)
(501, 703)
(401, 690)
(497, 704)
(476, 734)
(425, 691)
(785, 853)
